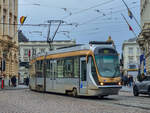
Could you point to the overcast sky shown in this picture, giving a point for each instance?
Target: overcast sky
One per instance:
(91, 19)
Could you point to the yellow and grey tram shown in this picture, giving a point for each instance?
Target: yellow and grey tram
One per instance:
(89, 70)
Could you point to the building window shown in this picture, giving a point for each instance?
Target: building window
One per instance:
(138, 51)
(34, 51)
(138, 59)
(130, 60)
(43, 50)
(15, 22)
(25, 52)
(130, 51)
(4, 27)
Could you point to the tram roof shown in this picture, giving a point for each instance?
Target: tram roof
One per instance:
(79, 47)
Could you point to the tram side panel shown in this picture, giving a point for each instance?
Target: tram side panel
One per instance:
(32, 83)
(92, 78)
(64, 76)
(32, 72)
(39, 78)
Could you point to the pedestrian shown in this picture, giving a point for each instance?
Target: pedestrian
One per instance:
(13, 81)
(130, 80)
(27, 81)
(125, 80)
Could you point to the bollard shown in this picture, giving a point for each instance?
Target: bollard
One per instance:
(2, 84)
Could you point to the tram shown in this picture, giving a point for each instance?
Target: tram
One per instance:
(82, 70)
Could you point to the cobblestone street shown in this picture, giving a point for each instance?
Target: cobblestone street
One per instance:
(26, 101)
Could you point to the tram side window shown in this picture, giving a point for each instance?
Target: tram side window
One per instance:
(47, 68)
(60, 64)
(83, 70)
(68, 67)
(55, 68)
(51, 69)
(93, 70)
(39, 67)
(76, 66)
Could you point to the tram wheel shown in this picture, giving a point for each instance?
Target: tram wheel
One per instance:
(74, 92)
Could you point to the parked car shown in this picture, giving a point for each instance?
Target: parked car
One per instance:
(142, 87)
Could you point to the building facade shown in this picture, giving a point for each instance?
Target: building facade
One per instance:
(29, 50)
(144, 37)
(131, 56)
(8, 39)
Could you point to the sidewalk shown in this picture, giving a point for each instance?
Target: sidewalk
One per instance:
(126, 89)
(15, 88)
(123, 89)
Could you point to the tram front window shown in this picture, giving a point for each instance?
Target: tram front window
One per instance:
(108, 65)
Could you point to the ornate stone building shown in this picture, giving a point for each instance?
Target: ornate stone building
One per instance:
(8, 39)
(131, 57)
(144, 37)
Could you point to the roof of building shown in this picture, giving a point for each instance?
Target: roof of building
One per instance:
(132, 40)
(53, 41)
(22, 37)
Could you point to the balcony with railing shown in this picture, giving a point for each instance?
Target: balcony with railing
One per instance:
(132, 66)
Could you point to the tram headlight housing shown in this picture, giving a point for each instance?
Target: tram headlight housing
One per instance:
(101, 83)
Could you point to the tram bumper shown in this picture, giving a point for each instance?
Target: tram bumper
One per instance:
(109, 90)
(106, 90)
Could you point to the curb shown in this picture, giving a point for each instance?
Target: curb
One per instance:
(125, 91)
(14, 88)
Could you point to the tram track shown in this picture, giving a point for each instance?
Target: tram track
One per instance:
(136, 99)
(120, 100)
(123, 101)
(133, 106)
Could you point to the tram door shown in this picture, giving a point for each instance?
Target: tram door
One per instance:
(83, 76)
(53, 74)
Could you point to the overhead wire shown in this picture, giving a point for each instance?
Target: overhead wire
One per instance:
(34, 24)
(118, 11)
(86, 9)
(88, 22)
(78, 12)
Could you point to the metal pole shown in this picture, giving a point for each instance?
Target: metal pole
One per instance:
(129, 25)
(137, 22)
(132, 14)
(56, 30)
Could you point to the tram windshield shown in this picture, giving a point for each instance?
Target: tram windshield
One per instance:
(108, 65)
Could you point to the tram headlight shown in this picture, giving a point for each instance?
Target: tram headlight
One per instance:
(119, 83)
(101, 83)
